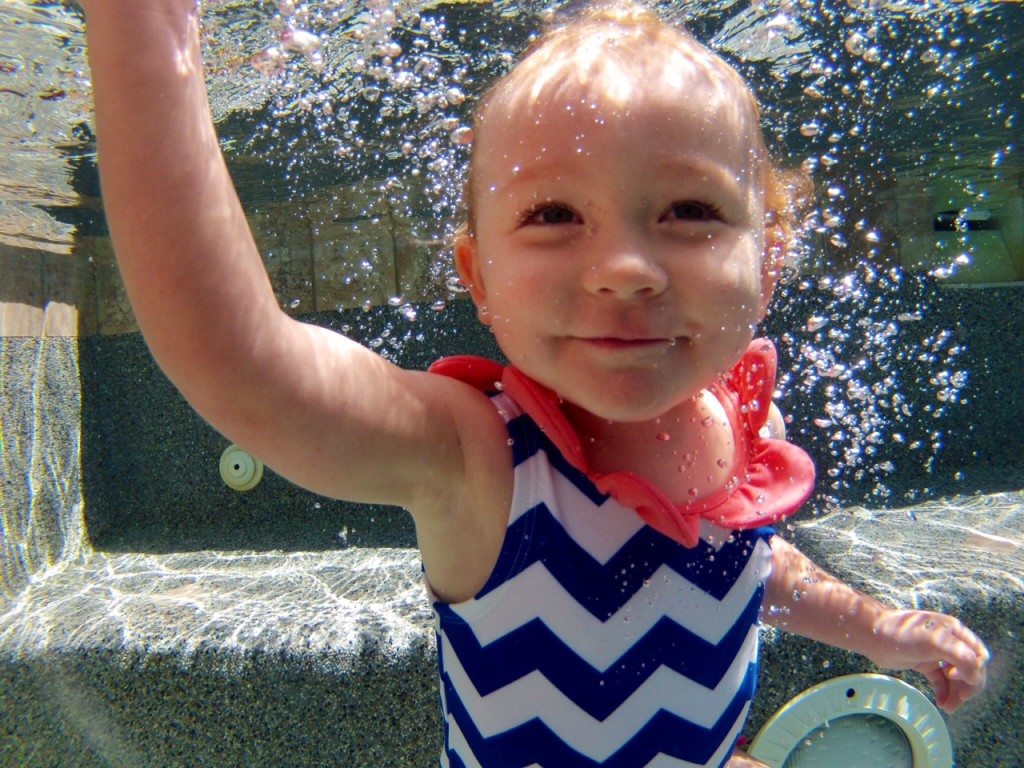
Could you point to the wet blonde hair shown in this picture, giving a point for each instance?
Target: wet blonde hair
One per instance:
(635, 39)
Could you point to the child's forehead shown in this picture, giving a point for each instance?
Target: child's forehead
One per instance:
(690, 99)
(619, 72)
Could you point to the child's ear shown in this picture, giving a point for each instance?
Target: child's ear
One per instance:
(467, 262)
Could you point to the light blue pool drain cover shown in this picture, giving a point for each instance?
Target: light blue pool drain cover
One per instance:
(854, 741)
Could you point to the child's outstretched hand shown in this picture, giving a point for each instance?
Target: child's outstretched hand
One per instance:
(810, 602)
(940, 647)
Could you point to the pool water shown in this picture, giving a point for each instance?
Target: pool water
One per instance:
(151, 615)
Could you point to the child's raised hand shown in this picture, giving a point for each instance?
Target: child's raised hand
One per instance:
(940, 647)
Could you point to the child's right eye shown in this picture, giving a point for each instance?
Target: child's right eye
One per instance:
(551, 214)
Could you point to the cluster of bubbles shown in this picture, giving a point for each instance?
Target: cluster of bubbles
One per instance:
(875, 381)
(378, 83)
(386, 87)
(871, 381)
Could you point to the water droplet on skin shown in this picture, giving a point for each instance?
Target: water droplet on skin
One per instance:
(664, 436)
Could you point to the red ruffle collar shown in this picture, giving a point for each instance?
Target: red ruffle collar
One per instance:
(778, 477)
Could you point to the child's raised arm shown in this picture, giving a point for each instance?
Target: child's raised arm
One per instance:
(317, 407)
(802, 598)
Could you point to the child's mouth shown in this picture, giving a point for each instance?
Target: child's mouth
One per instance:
(614, 342)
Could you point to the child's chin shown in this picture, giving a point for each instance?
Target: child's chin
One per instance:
(626, 408)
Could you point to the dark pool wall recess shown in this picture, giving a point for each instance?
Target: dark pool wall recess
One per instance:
(150, 465)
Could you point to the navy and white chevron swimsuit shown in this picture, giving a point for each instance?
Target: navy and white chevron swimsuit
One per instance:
(597, 640)
(607, 634)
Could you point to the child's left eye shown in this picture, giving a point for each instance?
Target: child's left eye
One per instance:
(690, 210)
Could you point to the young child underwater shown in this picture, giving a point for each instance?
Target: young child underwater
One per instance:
(592, 518)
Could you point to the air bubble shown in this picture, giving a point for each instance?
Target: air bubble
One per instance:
(300, 41)
(455, 285)
(810, 129)
(462, 135)
(269, 61)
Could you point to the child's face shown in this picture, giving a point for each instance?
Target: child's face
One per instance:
(618, 238)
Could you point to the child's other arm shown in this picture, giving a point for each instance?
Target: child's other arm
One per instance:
(318, 408)
(802, 598)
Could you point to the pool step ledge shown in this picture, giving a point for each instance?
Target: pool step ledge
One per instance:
(222, 659)
(328, 659)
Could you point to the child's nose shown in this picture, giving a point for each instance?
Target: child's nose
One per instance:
(626, 273)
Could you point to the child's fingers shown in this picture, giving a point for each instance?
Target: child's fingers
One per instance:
(940, 685)
(950, 686)
(957, 693)
(967, 656)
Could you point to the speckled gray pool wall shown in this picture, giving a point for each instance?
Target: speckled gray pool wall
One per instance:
(150, 465)
(40, 480)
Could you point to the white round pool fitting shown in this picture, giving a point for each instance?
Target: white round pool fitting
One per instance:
(239, 470)
(856, 720)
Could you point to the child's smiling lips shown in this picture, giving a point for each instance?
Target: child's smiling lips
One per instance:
(627, 343)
